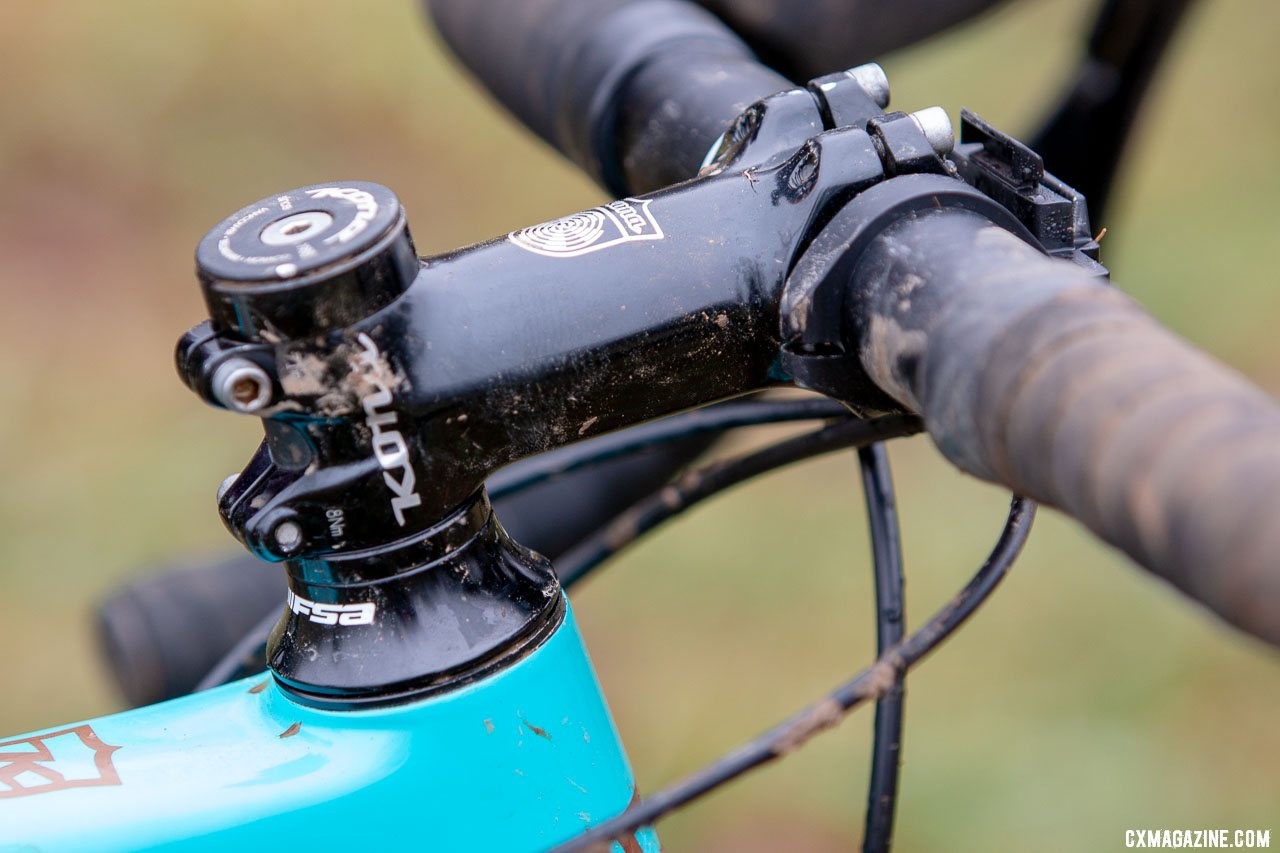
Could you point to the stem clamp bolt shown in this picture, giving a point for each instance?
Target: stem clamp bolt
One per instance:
(225, 486)
(288, 536)
(241, 385)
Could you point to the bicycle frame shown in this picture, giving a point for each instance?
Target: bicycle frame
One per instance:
(519, 761)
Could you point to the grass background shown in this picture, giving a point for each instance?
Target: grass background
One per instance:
(1085, 700)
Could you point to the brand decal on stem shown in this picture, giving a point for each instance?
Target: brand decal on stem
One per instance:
(388, 444)
(622, 221)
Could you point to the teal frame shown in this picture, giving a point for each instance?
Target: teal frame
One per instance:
(518, 761)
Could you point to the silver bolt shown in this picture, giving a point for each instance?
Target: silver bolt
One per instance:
(296, 228)
(935, 124)
(241, 385)
(288, 536)
(872, 80)
(226, 485)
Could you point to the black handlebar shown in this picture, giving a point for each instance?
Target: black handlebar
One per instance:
(806, 38)
(1032, 374)
(633, 91)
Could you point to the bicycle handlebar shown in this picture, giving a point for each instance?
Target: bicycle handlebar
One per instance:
(805, 38)
(1032, 374)
(633, 91)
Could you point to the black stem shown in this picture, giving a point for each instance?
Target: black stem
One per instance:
(871, 683)
(886, 553)
(701, 483)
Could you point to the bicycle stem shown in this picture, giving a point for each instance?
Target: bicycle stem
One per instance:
(391, 388)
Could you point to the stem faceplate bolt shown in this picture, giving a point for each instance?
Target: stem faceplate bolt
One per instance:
(935, 124)
(871, 78)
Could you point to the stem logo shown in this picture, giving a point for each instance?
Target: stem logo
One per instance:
(389, 446)
(70, 758)
(621, 221)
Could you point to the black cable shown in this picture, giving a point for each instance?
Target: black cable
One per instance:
(245, 658)
(871, 683)
(702, 483)
(248, 654)
(886, 557)
(634, 439)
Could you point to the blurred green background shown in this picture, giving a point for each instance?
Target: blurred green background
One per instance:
(1086, 699)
